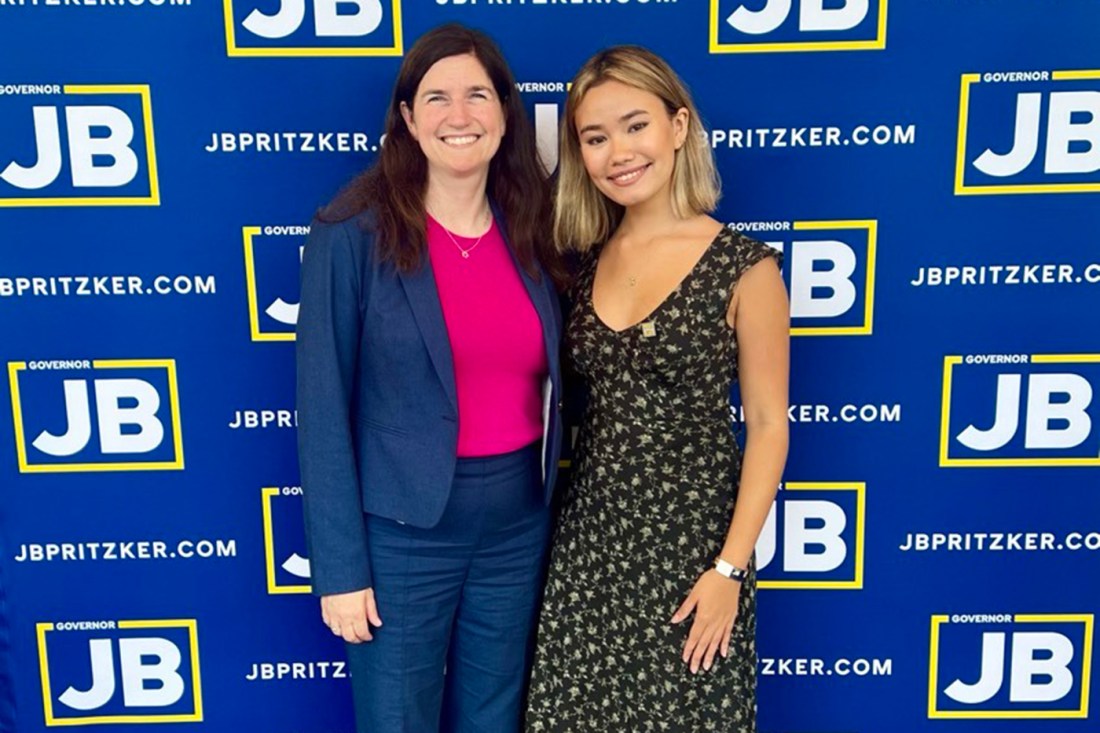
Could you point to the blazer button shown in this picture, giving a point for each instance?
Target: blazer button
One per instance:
(560, 405)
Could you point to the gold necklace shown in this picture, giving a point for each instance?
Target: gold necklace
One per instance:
(464, 250)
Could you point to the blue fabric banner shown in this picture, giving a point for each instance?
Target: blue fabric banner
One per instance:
(930, 169)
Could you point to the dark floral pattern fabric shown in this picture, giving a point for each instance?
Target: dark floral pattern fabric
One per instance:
(646, 513)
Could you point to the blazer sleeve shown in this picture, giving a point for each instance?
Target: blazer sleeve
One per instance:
(328, 335)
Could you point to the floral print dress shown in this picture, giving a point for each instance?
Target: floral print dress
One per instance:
(645, 515)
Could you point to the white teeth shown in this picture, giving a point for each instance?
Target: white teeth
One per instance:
(464, 140)
(627, 177)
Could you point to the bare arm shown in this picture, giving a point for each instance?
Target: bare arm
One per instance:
(760, 313)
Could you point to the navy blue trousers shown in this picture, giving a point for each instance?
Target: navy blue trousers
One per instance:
(458, 604)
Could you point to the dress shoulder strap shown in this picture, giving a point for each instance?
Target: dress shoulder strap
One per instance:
(742, 253)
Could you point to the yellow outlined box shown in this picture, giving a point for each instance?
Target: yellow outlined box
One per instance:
(196, 680)
(25, 466)
(248, 234)
(397, 48)
(876, 44)
(949, 363)
(269, 550)
(864, 329)
(1082, 710)
(961, 189)
(856, 583)
(153, 199)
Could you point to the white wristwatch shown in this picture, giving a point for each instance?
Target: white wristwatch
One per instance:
(730, 571)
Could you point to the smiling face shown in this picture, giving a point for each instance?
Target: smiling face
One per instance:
(629, 141)
(457, 117)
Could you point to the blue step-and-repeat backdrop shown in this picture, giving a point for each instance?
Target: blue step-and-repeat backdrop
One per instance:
(931, 169)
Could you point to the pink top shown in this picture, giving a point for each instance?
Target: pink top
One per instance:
(496, 341)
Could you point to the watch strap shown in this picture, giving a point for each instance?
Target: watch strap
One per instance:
(730, 570)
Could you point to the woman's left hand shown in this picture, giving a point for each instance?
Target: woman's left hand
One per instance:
(714, 600)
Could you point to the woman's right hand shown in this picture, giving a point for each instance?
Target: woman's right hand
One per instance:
(350, 615)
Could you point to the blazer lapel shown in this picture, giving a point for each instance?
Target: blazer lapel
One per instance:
(424, 300)
(539, 293)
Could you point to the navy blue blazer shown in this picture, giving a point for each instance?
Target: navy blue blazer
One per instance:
(376, 397)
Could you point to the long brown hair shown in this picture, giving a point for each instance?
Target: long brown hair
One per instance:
(393, 188)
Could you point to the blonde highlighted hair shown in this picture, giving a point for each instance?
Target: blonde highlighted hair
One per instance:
(582, 215)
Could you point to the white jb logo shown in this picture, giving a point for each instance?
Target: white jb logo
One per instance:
(823, 284)
(1029, 413)
(812, 16)
(1056, 414)
(133, 417)
(818, 536)
(80, 120)
(293, 564)
(365, 19)
(281, 310)
(146, 674)
(1030, 670)
(297, 565)
(836, 280)
(140, 661)
(111, 416)
(277, 309)
(1062, 134)
(1038, 670)
(546, 135)
(799, 537)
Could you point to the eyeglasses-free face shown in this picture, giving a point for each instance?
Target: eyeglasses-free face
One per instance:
(457, 118)
(629, 141)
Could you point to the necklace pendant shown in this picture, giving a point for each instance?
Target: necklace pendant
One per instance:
(466, 254)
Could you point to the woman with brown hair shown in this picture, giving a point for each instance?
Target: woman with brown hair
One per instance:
(648, 620)
(427, 390)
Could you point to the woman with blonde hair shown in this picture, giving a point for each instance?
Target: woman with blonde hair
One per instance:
(648, 619)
